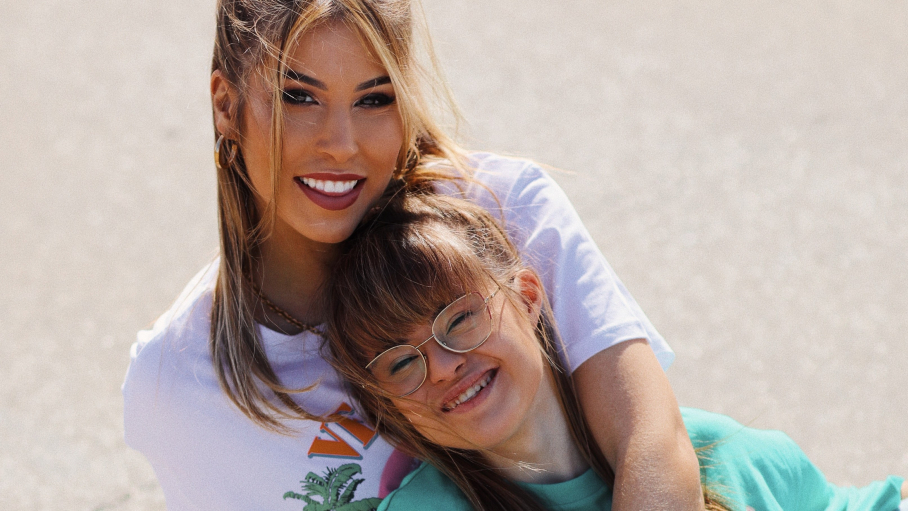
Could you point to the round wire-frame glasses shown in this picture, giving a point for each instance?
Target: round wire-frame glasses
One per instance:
(462, 326)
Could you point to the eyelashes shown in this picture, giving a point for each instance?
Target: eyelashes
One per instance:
(303, 97)
(376, 100)
(297, 97)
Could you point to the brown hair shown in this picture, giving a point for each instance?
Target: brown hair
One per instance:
(420, 252)
(417, 254)
(253, 36)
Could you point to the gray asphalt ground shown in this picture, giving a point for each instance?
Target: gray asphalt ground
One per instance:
(743, 166)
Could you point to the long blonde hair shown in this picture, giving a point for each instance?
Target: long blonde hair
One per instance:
(417, 254)
(253, 36)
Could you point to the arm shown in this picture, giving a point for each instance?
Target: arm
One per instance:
(622, 388)
(634, 417)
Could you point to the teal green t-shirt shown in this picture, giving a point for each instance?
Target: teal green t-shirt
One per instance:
(761, 469)
(427, 488)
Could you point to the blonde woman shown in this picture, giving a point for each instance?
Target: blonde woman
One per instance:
(459, 364)
(321, 110)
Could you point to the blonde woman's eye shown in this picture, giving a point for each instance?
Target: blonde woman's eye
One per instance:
(297, 97)
(376, 100)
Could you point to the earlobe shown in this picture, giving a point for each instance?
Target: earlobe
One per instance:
(223, 105)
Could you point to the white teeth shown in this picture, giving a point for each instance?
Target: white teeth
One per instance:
(329, 186)
(469, 393)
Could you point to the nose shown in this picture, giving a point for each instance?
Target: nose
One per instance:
(443, 365)
(337, 138)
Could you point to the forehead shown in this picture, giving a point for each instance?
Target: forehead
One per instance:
(411, 322)
(334, 52)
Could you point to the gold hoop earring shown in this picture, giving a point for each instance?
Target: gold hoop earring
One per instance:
(231, 150)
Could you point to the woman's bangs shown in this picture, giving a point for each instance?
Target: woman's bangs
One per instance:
(405, 283)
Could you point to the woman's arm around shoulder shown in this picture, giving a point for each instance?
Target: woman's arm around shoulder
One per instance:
(634, 417)
(616, 354)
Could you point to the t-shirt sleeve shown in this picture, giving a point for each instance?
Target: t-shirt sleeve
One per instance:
(152, 364)
(592, 308)
(766, 470)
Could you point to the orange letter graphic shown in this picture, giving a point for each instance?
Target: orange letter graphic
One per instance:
(363, 433)
(338, 447)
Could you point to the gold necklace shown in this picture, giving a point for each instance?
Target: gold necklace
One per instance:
(306, 327)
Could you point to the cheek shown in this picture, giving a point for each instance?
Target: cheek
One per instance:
(521, 354)
(413, 409)
(301, 129)
(257, 146)
(382, 136)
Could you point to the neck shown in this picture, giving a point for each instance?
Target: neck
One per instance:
(543, 451)
(290, 271)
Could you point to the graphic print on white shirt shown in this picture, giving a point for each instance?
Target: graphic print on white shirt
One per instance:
(335, 488)
(335, 446)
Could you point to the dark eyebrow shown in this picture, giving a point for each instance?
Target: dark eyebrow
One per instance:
(318, 84)
(300, 77)
(375, 82)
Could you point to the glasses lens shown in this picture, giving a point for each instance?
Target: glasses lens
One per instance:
(400, 370)
(463, 325)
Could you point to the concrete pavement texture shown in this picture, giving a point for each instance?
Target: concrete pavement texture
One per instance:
(742, 165)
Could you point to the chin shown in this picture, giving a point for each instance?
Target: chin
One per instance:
(454, 437)
(333, 230)
(329, 233)
(441, 433)
(332, 238)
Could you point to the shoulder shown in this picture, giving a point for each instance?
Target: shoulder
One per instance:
(181, 323)
(765, 467)
(705, 427)
(722, 434)
(173, 349)
(500, 181)
(729, 448)
(515, 181)
(521, 194)
(504, 171)
(426, 488)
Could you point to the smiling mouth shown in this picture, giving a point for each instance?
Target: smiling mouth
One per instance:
(329, 187)
(470, 393)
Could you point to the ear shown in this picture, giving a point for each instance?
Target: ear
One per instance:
(224, 104)
(527, 283)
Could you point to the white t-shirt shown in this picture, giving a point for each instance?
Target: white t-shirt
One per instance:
(208, 455)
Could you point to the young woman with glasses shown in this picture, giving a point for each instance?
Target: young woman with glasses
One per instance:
(447, 341)
(321, 109)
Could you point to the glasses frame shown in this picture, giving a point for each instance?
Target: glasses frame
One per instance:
(425, 360)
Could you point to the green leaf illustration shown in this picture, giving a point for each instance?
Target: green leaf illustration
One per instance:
(333, 492)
